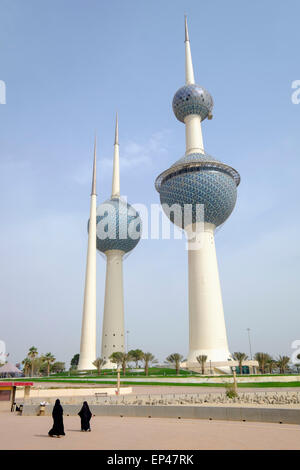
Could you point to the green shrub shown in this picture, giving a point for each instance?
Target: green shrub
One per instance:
(230, 391)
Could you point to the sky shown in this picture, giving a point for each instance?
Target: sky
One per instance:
(68, 66)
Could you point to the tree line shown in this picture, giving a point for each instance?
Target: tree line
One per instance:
(122, 360)
(46, 363)
(41, 365)
(267, 364)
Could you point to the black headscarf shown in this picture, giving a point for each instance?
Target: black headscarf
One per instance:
(57, 409)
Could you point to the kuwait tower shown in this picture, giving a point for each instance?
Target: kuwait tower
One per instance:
(200, 181)
(88, 329)
(118, 232)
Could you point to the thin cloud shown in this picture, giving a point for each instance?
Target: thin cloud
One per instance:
(133, 154)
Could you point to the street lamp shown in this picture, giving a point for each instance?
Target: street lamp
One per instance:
(234, 379)
(127, 333)
(248, 329)
(118, 381)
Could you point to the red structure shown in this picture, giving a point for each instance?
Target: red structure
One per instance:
(8, 390)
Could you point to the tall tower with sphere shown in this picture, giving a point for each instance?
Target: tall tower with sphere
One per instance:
(199, 179)
(118, 232)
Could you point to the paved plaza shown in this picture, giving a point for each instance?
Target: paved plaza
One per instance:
(31, 432)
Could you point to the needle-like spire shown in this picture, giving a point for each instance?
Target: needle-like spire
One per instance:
(116, 169)
(94, 168)
(117, 131)
(189, 71)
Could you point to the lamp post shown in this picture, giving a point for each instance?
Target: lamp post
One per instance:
(118, 381)
(248, 329)
(127, 333)
(234, 379)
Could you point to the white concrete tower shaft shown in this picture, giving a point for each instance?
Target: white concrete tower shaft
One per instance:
(113, 315)
(207, 331)
(88, 330)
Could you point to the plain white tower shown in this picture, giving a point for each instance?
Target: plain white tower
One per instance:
(88, 329)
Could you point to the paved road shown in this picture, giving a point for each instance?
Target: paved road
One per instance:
(30, 432)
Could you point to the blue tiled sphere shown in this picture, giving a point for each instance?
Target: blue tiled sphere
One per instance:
(199, 179)
(192, 99)
(119, 226)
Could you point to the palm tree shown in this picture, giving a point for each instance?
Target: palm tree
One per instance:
(116, 358)
(148, 359)
(176, 359)
(99, 363)
(48, 358)
(27, 365)
(120, 359)
(202, 360)
(240, 357)
(270, 363)
(32, 353)
(125, 358)
(136, 355)
(282, 363)
(262, 359)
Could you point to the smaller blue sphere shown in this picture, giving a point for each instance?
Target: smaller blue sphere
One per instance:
(118, 226)
(192, 99)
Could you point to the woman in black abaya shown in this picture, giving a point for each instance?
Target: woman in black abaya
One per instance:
(85, 416)
(58, 424)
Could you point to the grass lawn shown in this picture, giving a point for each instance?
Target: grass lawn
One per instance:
(154, 372)
(113, 382)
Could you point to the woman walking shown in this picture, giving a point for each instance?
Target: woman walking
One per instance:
(58, 424)
(85, 416)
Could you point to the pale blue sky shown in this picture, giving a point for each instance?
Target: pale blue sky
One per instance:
(68, 66)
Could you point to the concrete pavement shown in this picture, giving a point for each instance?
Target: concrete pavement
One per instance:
(31, 432)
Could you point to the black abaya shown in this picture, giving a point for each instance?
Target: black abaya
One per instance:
(58, 424)
(85, 415)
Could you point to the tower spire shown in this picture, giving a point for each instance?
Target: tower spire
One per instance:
(94, 168)
(117, 131)
(189, 71)
(116, 168)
